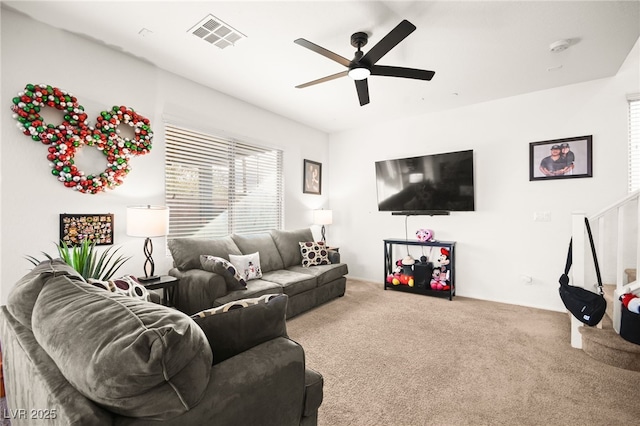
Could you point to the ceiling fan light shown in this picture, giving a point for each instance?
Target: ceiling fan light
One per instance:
(359, 73)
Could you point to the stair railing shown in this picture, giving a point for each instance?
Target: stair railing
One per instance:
(612, 225)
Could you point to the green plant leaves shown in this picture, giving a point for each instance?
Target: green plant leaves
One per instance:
(85, 260)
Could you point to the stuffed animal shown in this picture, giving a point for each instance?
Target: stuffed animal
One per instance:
(425, 235)
(631, 302)
(394, 277)
(444, 261)
(438, 281)
(407, 265)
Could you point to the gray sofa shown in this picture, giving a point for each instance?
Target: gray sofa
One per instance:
(280, 261)
(75, 354)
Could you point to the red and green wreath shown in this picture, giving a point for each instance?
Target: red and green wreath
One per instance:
(74, 132)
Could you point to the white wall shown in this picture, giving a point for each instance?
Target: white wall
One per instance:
(31, 199)
(499, 242)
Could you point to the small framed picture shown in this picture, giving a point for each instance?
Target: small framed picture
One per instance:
(312, 178)
(560, 158)
(97, 228)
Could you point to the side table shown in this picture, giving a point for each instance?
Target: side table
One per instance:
(169, 286)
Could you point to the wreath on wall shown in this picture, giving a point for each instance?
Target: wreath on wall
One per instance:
(74, 133)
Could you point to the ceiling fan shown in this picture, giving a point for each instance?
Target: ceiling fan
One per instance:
(363, 65)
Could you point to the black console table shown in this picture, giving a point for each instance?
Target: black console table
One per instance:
(423, 282)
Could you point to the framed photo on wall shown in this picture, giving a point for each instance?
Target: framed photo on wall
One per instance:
(97, 228)
(312, 178)
(561, 158)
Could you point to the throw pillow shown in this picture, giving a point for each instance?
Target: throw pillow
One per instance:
(314, 253)
(248, 266)
(225, 268)
(240, 325)
(127, 285)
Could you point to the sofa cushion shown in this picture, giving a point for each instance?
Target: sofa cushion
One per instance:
(324, 273)
(25, 292)
(287, 244)
(225, 268)
(248, 265)
(186, 251)
(240, 325)
(255, 288)
(292, 282)
(135, 358)
(314, 253)
(262, 242)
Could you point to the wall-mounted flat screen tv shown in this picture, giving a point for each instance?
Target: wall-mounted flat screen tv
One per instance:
(429, 183)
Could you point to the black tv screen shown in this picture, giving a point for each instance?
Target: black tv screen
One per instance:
(438, 182)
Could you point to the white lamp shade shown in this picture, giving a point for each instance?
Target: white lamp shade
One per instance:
(322, 217)
(147, 221)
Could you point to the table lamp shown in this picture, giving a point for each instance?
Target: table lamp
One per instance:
(323, 217)
(148, 221)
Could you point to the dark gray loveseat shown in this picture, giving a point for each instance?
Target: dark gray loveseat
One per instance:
(75, 354)
(280, 261)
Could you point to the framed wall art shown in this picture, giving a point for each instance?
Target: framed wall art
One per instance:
(561, 158)
(97, 228)
(312, 179)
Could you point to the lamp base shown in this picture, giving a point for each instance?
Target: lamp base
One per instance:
(151, 278)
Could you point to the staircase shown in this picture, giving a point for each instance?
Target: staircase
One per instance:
(617, 238)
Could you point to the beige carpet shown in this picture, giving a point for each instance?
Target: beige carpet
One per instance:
(394, 358)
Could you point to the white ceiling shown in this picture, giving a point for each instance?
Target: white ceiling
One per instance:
(480, 50)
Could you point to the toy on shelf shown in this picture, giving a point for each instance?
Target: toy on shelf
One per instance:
(438, 281)
(631, 302)
(425, 235)
(403, 273)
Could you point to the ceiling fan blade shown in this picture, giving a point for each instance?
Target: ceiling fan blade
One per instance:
(395, 36)
(323, 79)
(324, 52)
(362, 87)
(401, 72)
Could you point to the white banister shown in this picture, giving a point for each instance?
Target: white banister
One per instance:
(620, 249)
(607, 230)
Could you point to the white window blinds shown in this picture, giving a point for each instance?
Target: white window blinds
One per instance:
(634, 142)
(215, 187)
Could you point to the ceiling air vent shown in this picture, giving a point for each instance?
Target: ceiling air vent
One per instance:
(216, 32)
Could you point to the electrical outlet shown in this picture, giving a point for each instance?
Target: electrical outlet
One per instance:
(544, 216)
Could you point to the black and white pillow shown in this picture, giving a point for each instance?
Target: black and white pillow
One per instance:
(128, 285)
(225, 268)
(314, 253)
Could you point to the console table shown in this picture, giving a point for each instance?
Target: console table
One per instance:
(422, 271)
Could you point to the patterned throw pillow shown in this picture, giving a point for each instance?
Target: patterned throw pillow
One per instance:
(127, 285)
(237, 326)
(248, 266)
(236, 304)
(314, 253)
(225, 268)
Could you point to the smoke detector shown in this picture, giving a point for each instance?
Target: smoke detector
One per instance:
(216, 32)
(559, 46)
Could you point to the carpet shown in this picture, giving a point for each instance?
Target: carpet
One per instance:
(401, 359)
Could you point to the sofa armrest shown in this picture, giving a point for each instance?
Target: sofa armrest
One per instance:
(198, 289)
(334, 256)
(238, 326)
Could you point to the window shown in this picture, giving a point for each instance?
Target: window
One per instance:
(634, 142)
(215, 187)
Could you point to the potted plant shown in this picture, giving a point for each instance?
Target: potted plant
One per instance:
(85, 260)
